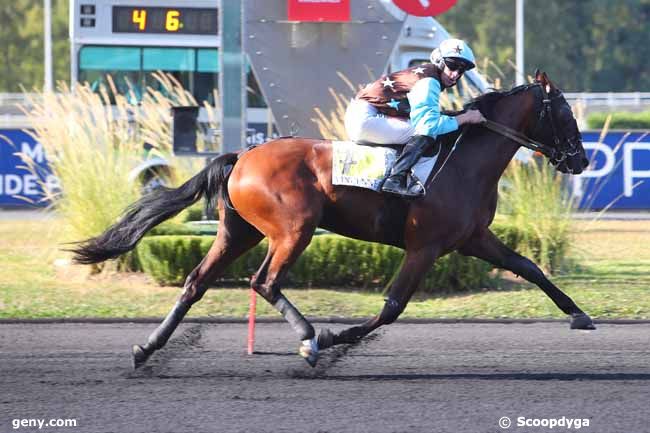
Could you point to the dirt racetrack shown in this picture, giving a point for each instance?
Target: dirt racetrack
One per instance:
(406, 378)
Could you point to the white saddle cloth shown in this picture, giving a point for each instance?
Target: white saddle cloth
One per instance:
(367, 166)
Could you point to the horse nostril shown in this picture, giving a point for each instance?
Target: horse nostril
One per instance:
(585, 162)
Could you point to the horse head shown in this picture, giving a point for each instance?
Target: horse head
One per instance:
(556, 127)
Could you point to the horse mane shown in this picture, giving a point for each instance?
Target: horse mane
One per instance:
(486, 102)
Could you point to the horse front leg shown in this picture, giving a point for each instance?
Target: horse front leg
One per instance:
(415, 266)
(488, 247)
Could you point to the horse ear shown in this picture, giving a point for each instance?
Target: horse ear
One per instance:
(548, 83)
(542, 78)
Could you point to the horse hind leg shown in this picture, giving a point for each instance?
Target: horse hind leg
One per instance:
(282, 253)
(234, 237)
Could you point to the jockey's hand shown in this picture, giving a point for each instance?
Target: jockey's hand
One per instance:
(470, 116)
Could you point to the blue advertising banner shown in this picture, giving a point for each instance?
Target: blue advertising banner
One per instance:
(619, 174)
(18, 186)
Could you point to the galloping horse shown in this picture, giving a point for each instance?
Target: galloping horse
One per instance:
(283, 190)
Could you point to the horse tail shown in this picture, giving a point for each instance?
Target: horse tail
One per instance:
(152, 209)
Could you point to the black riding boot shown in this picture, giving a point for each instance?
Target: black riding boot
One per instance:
(397, 182)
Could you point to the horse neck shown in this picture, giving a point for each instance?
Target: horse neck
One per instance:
(513, 111)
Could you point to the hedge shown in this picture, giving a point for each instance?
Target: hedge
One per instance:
(335, 261)
(620, 120)
(329, 261)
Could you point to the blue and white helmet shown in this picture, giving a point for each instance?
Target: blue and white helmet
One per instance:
(453, 51)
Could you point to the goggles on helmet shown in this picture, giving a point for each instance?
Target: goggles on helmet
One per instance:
(457, 64)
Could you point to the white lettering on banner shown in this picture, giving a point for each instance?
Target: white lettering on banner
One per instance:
(629, 173)
(35, 153)
(610, 160)
(12, 184)
(26, 184)
(258, 138)
(52, 183)
(30, 185)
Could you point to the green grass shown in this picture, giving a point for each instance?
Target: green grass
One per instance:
(611, 280)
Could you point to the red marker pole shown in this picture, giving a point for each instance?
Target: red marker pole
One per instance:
(251, 321)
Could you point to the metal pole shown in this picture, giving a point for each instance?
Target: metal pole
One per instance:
(520, 42)
(47, 13)
(232, 83)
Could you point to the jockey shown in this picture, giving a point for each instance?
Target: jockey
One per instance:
(404, 107)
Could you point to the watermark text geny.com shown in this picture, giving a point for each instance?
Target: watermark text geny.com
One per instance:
(42, 423)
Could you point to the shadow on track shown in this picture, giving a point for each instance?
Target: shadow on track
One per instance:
(330, 358)
(189, 339)
(494, 376)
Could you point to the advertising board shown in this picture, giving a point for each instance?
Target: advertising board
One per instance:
(618, 177)
(19, 187)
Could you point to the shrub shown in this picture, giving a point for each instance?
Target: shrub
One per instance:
(194, 212)
(92, 147)
(329, 261)
(534, 213)
(620, 120)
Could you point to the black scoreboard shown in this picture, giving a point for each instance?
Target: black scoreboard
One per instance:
(165, 20)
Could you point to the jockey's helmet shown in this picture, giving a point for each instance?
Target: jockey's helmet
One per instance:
(455, 54)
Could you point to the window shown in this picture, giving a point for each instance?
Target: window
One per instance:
(121, 63)
(178, 62)
(132, 69)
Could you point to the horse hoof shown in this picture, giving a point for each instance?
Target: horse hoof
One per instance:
(309, 351)
(139, 356)
(325, 339)
(582, 321)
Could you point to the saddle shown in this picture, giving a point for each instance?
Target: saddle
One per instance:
(367, 165)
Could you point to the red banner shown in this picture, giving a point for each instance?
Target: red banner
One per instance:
(424, 8)
(319, 10)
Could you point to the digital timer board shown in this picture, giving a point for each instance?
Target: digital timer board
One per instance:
(165, 20)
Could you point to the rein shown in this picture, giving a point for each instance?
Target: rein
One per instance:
(519, 138)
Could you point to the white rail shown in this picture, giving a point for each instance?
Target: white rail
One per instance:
(10, 99)
(610, 99)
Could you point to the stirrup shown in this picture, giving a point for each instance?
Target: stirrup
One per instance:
(415, 189)
(395, 184)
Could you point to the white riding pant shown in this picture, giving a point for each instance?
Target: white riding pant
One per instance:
(365, 124)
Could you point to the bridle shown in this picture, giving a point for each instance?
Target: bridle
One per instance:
(563, 147)
(555, 154)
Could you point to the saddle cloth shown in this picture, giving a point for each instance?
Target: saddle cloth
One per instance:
(368, 166)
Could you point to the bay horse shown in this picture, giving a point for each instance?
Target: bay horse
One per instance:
(282, 190)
